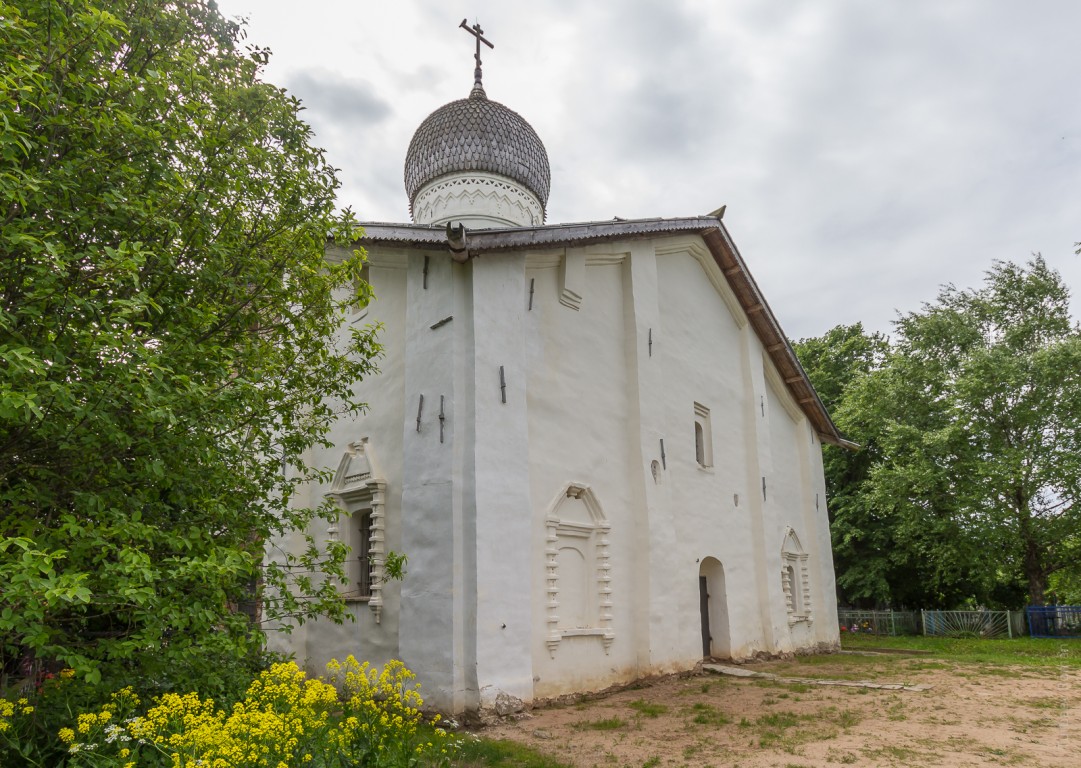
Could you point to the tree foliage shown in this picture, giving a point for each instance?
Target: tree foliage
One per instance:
(862, 549)
(972, 424)
(169, 335)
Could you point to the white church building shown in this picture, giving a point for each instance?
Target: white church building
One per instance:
(592, 441)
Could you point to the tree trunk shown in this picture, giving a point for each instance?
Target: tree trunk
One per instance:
(1035, 571)
(1035, 574)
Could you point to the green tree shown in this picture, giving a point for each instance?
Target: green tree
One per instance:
(967, 484)
(169, 337)
(981, 413)
(865, 556)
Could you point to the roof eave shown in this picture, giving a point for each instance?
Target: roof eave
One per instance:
(717, 239)
(769, 332)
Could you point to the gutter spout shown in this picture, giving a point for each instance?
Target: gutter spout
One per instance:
(458, 242)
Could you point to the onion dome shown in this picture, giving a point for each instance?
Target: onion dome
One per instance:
(477, 135)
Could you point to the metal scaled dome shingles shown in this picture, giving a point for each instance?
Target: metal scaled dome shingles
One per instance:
(476, 134)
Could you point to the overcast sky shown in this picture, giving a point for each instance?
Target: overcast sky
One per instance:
(868, 152)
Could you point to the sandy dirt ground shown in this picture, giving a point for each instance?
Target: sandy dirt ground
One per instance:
(972, 715)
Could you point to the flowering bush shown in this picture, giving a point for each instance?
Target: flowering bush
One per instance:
(858, 627)
(28, 719)
(284, 720)
(383, 718)
(9, 710)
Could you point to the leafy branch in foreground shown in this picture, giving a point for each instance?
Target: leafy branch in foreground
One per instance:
(170, 337)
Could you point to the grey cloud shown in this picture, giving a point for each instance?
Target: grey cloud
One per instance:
(336, 98)
(867, 152)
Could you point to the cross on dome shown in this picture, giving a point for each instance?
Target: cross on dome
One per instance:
(477, 32)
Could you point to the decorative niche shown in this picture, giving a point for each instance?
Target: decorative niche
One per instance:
(795, 578)
(359, 488)
(578, 580)
(703, 437)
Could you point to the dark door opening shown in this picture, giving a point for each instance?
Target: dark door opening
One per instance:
(703, 601)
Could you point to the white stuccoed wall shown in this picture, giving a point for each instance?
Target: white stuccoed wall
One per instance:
(586, 405)
(580, 432)
(433, 620)
(702, 350)
(501, 486)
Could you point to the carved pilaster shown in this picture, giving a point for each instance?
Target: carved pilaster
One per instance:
(378, 550)
(604, 572)
(551, 576)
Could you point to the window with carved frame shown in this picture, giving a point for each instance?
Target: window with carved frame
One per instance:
(795, 579)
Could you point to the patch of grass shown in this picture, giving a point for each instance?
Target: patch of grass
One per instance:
(481, 753)
(954, 744)
(942, 720)
(1023, 651)
(1047, 702)
(799, 687)
(706, 714)
(647, 708)
(848, 718)
(604, 724)
(922, 665)
(1043, 722)
(902, 754)
(844, 758)
(791, 740)
(778, 720)
(767, 739)
(652, 762)
(772, 731)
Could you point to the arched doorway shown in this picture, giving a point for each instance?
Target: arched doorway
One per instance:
(713, 604)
